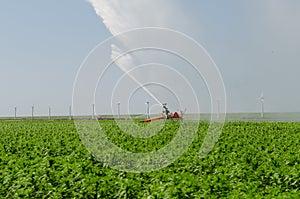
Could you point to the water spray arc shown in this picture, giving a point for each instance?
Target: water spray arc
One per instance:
(125, 63)
(118, 17)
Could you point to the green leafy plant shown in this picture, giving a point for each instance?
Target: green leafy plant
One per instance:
(46, 159)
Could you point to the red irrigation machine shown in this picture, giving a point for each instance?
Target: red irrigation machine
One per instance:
(166, 114)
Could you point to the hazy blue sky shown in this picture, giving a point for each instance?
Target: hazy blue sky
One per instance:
(255, 44)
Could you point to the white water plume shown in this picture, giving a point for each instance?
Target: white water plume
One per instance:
(121, 16)
(125, 63)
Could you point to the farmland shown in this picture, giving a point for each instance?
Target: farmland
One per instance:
(251, 159)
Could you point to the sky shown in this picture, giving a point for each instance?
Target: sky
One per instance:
(254, 43)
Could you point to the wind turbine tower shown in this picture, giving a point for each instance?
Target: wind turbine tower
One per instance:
(119, 103)
(219, 107)
(70, 112)
(32, 112)
(15, 113)
(147, 109)
(49, 113)
(262, 100)
(93, 116)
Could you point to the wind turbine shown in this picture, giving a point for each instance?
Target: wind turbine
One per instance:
(119, 103)
(49, 113)
(93, 109)
(32, 112)
(219, 107)
(70, 112)
(262, 100)
(147, 109)
(15, 113)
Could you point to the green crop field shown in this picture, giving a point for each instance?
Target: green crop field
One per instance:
(46, 159)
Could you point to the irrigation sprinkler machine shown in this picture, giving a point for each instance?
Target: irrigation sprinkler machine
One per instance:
(166, 114)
